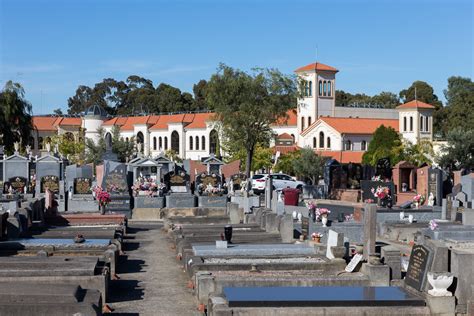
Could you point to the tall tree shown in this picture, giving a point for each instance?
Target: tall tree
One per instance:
(15, 116)
(285, 162)
(459, 109)
(95, 151)
(384, 143)
(122, 148)
(459, 152)
(246, 104)
(200, 90)
(309, 165)
(389, 100)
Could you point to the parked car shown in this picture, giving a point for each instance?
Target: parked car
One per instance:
(280, 182)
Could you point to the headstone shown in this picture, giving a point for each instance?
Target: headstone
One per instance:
(370, 229)
(82, 186)
(221, 244)
(366, 187)
(49, 182)
(418, 267)
(391, 257)
(237, 180)
(467, 182)
(335, 239)
(435, 185)
(444, 209)
(18, 184)
(305, 226)
(208, 179)
(354, 262)
(177, 181)
(115, 182)
(383, 168)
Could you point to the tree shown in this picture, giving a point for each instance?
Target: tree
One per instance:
(309, 165)
(173, 156)
(122, 148)
(416, 154)
(262, 158)
(95, 152)
(247, 104)
(285, 162)
(15, 116)
(389, 100)
(384, 144)
(459, 109)
(70, 148)
(58, 112)
(459, 151)
(200, 90)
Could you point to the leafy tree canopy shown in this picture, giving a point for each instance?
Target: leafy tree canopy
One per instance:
(388, 100)
(262, 158)
(459, 151)
(383, 144)
(246, 104)
(15, 116)
(285, 162)
(459, 109)
(309, 164)
(122, 148)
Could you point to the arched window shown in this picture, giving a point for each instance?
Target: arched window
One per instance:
(213, 142)
(411, 123)
(175, 142)
(203, 143)
(325, 86)
(293, 136)
(197, 142)
(302, 123)
(166, 143)
(190, 143)
(421, 123)
(348, 144)
(160, 143)
(309, 121)
(314, 142)
(321, 140)
(140, 139)
(40, 143)
(108, 141)
(363, 145)
(328, 142)
(154, 143)
(310, 88)
(126, 139)
(329, 88)
(427, 123)
(404, 123)
(320, 87)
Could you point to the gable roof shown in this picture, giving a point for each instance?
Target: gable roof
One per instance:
(415, 104)
(285, 136)
(290, 120)
(316, 66)
(199, 120)
(354, 125)
(69, 121)
(45, 123)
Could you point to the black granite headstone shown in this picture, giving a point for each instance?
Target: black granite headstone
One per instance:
(305, 226)
(435, 184)
(418, 266)
(17, 183)
(50, 182)
(237, 180)
(383, 168)
(82, 185)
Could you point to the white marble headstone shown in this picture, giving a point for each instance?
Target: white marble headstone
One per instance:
(334, 239)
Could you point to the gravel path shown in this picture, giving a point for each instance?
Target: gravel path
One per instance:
(151, 280)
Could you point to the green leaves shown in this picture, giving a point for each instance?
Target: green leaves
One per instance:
(383, 144)
(309, 164)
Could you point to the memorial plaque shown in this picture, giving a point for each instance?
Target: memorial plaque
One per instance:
(116, 181)
(305, 226)
(420, 259)
(177, 180)
(50, 182)
(206, 179)
(18, 184)
(82, 185)
(354, 262)
(237, 180)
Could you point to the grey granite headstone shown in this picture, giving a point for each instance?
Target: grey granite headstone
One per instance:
(370, 229)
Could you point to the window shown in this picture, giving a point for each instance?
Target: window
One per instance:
(302, 123)
(175, 142)
(411, 123)
(363, 145)
(166, 143)
(328, 143)
(314, 142)
(348, 145)
(213, 142)
(329, 88)
(293, 136)
(190, 143)
(427, 123)
(320, 87)
(160, 143)
(154, 143)
(309, 121)
(421, 123)
(404, 123)
(40, 143)
(321, 140)
(197, 142)
(140, 140)
(310, 88)
(325, 88)
(203, 143)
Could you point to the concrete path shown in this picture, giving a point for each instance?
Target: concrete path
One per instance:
(151, 280)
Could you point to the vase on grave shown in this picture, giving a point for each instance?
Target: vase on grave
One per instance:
(102, 209)
(317, 239)
(228, 233)
(417, 205)
(402, 216)
(440, 282)
(324, 220)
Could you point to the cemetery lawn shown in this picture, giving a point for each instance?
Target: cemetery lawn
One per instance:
(151, 280)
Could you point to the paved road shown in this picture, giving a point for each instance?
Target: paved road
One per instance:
(151, 280)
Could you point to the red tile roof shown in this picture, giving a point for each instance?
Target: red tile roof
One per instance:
(285, 136)
(290, 120)
(342, 156)
(415, 104)
(45, 123)
(285, 149)
(316, 66)
(69, 121)
(200, 119)
(349, 125)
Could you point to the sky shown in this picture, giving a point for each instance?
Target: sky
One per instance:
(52, 47)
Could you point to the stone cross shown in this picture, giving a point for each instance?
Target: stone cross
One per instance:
(370, 229)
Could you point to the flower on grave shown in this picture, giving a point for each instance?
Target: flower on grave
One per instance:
(316, 235)
(311, 205)
(369, 201)
(381, 192)
(433, 224)
(377, 178)
(349, 217)
(420, 199)
(103, 197)
(322, 212)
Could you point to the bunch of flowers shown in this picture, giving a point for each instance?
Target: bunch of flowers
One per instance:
(322, 212)
(103, 197)
(311, 205)
(377, 178)
(420, 199)
(369, 201)
(316, 235)
(349, 217)
(213, 190)
(433, 224)
(381, 192)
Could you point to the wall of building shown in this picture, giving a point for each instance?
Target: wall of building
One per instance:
(342, 111)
